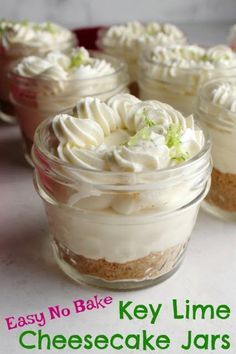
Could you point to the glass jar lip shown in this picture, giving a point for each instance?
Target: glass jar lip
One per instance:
(121, 67)
(145, 57)
(52, 158)
(204, 98)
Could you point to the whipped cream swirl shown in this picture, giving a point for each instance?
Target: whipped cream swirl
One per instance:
(135, 35)
(224, 95)
(193, 57)
(125, 134)
(40, 37)
(34, 37)
(61, 79)
(78, 64)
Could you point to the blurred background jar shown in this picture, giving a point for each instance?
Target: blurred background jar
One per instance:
(216, 109)
(19, 39)
(127, 41)
(41, 87)
(174, 74)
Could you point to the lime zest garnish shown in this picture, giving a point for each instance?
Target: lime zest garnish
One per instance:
(142, 134)
(173, 135)
(77, 60)
(24, 23)
(179, 157)
(49, 27)
(204, 57)
(173, 141)
(36, 27)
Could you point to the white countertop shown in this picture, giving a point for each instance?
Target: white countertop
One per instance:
(30, 280)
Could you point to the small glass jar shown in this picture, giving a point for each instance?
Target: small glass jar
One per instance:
(7, 60)
(131, 39)
(177, 88)
(118, 230)
(36, 99)
(221, 125)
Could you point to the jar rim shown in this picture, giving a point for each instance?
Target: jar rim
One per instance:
(121, 67)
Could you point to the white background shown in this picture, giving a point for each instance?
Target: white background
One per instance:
(74, 13)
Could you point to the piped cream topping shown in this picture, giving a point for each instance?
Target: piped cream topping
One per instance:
(134, 35)
(193, 57)
(224, 94)
(78, 64)
(125, 134)
(43, 36)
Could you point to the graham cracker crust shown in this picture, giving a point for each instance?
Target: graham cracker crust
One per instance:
(223, 190)
(152, 266)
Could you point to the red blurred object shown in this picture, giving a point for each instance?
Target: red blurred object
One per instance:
(87, 36)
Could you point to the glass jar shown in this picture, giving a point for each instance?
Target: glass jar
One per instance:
(119, 230)
(221, 125)
(177, 88)
(36, 99)
(7, 60)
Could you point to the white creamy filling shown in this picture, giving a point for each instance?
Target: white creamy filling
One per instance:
(97, 239)
(223, 150)
(220, 120)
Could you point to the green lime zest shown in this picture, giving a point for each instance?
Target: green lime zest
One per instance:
(173, 141)
(77, 60)
(204, 57)
(148, 121)
(173, 135)
(24, 23)
(49, 27)
(179, 156)
(142, 134)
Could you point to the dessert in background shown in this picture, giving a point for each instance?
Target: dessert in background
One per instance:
(232, 37)
(121, 182)
(22, 38)
(41, 87)
(174, 74)
(216, 109)
(128, 40)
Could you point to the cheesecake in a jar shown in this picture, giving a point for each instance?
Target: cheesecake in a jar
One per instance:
(127, 41)
(19, 39)
(216, 109)
(121, 182)
(174, 74)
(41, 87)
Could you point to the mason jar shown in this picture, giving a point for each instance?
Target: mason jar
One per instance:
(216, 110)
(119, 230)
(127, 41)
(174, 85)
(10, 54)
(35, 99)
